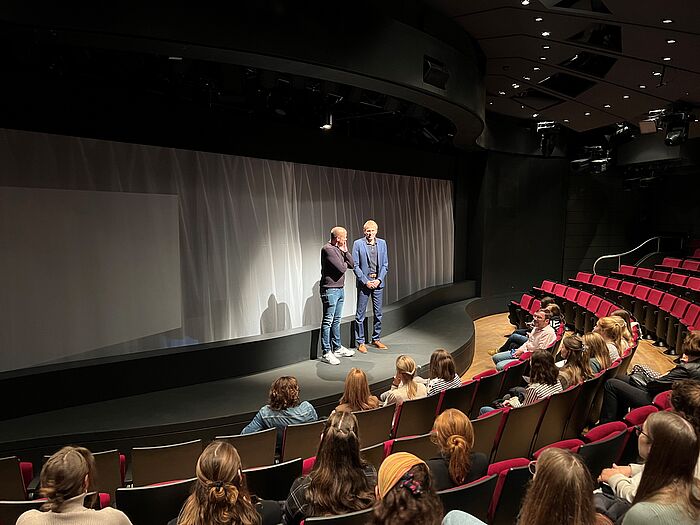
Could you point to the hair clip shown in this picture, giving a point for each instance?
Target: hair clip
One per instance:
(413, 485)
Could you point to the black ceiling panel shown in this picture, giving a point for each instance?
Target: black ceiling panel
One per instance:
(566, 84)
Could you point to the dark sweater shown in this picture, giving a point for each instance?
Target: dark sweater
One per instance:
(334, 264)
(440, 470)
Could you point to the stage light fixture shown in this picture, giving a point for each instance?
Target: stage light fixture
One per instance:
(667, 21)
(677, 129)
(607, 106)
(539, 19)
(328, 122)
(667, 59)
(625, 96)
(587, 113)
(525, 2)
(642, 86)
(670, 41)
(546, 33)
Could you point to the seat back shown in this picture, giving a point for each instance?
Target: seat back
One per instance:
(597, 403)
(373, 455)
(415, 416)
(10, 511)
(583, 298)
(420, 446)
(486, 392)
(594, 303)
(556, 416)
(641, 292)
(109, 472)
(660, 276)
(485, 432)
(604, 308)
(584, 277)
(473, 498)
(359, 517)
(690, 264)
(164, 463)
(693, 283)
(603, 453)
(534, 306)
(667, 302)
(273, 482)
(598, 280)
(612, 283)
(256, 449)
(301, 441)
(626, 288)
(548, 286)
(508, 495)
(671, 261)
(559, 290)
(512, 377)
(679, 308)
(375, 425)
(526, 301)
(655, 296)
(691, 314)
(579, 414)
(11, 482)
(571, 294)
(155, 503)
(519, 431)
(627, 269)
(642, 272)
(460, 398)
(678, 279)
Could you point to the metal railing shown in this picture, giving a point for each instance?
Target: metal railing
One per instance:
(620, 255)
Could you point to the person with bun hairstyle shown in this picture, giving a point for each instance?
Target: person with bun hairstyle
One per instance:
(405, 493)
(340, 480)
(457, 464)
(404, 386)
(356, 395)
(577, 368)
(66, 478)
(219, 495)
(597, 352)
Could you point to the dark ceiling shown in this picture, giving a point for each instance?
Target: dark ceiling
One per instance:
(600, 63)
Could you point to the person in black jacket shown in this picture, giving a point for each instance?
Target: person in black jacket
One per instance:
(621, 394)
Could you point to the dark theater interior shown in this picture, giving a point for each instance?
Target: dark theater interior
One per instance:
(515, 182)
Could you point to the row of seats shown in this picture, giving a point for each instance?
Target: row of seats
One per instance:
(677, 282)
(690, 265)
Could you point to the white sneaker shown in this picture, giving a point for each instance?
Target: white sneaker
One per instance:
(330, 358)
(344, 352)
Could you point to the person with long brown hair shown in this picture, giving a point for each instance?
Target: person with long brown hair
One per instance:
(356, 395)
(219, 495)
(443, 372)
(405, 493)
(560, 493)
(283, 408)
(597, 352)
(66, 478)
(577, 368)
(666, 492)
(457, 464)
(340, 480)
(404, 386)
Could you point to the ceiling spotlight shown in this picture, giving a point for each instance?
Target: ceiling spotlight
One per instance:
(515, 86)
(545, 33)
(328, 122)
(535, 69)
(545, 47)
(535, 115)
(522, 107)
(642, 86)
(677, 129)
(543, 58)
(501, 92)
(670, 41)
(526, 78)
(667, 59)
(607, 106)
(625, 96)
(667, 21)
(587, 113)
(525, 2)
(566, 120)
(539, 19)
(490, 103)
(657, 73)
(174, 58)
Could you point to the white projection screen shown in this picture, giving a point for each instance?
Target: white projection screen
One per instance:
(109, 248)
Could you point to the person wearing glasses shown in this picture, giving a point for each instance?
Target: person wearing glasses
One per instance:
(541, 337)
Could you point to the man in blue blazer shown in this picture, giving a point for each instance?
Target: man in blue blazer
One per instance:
(371, 266)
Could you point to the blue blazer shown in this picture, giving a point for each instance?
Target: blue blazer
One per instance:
(360, 256)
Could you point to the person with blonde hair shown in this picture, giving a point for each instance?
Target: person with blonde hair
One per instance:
(340, 480)
(577, 368)
(371, 264)
(66, 478)
(457, 464)
(405, 493)
(561, 491)
(219, 495)
(356, 395)
(404, 386)
(443, 374)
(597, 351)
(611, 331)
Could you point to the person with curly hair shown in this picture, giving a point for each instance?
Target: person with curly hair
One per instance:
(283, 408)
(66, 478)
(405, 493)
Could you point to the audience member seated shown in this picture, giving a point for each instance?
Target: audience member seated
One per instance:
(544, 382)
(443, 373)
(404, 385)
(611, 331)
(519, 336)
(597, 351)
(405, 493)
(542, 336)
(577, 368)
(220, 496)
(627, 392)
(561, 491)
(283, 408)
(457, 464)
(629, 323)
(685, 399)
(340, 481)
(666, 492)
(357, 396)
(66, 478)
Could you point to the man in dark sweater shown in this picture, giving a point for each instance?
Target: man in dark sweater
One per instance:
(335, 261)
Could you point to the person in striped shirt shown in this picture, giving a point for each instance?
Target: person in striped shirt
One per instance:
(442, 372)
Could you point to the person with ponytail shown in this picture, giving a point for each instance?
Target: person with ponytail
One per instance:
(611, 331)
(596, 351)
(340, 480)
(404, 386)
(405, 493)
(577, 368)
(219, 495)
(457, 464)
(66, 478)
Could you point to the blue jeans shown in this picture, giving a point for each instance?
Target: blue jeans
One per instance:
(501, 359)
(363, 295)
(332, 300)
(514, 341)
